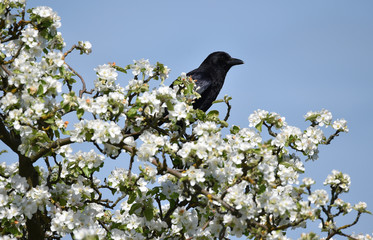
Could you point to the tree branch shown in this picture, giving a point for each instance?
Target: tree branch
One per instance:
(229, 107)
(84, 87)
(6, 70)
(49, 147)
(331, 137)
(273, 134)
(8, 138)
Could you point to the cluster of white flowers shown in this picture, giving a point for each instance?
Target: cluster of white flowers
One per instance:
(319, 197)
(246, 201)
(182, 218)
(107, 76)
(114, 102)
(29, 37)
(142, 66)
(340, 125)
(85, 159)
(286, 133)
(102, 132)
(361, 206)
(55, 59)
(272, 118)
(338, 180)
(150, 146)
(256, 117)
(17, 200)
(309, 140)
(169, 185)
(208, 142)
(195, 175)
(47, 12)
(180, 111)
(118, 177)
(67, 221)
(85, 47)
(245, 139)
(308, 182)
(153, 105)
(323, 117)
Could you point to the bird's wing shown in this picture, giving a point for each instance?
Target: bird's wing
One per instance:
(203, 80)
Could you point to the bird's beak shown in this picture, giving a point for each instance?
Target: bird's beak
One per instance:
(235, 61)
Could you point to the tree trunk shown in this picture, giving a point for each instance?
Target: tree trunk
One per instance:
(34, 225)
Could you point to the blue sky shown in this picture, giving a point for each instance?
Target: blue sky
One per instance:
(299, 56)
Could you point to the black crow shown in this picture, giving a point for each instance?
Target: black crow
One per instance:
(210, 76)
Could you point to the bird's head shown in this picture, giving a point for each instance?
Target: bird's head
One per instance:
(221, 60)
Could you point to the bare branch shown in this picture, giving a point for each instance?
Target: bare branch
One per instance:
(84, 88)
(131, 162)
(332, 137)
(69, 51)
(229, 107)
(269, 127)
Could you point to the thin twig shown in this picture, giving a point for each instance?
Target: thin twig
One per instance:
(84, 88)
(350, 225)
(229, 107)
(332, 137)
(131, 163)
(6, 70)
(273, 134)
(69, 51)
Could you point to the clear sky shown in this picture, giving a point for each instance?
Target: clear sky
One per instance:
(299, 56)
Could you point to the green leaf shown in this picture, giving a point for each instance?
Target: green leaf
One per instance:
(262, 189)
(190, 88)
(120, 69)
(49, 120)
(135, 207)
(86, 171)
(170, 106)
(177, 82)
(218, 101)
(201, 115)
(259, 126)
(80, 113)
(65, 132)
(235, 129)
(113, 190)
(132, 112)
(224, 123)
(132, 197)
(174, 195)
(57, 134)
(2, 8)
(213, 114)
(148, 212)
(40, 89)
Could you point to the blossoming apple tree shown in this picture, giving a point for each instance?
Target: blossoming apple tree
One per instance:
(193, 182)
